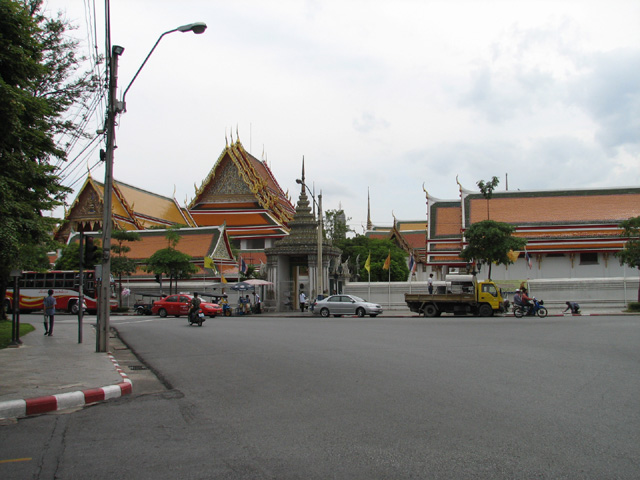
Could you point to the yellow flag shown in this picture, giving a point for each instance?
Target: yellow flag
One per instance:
(513, 256)
(208, 263)
(222, 279)
(387, 262)
(367, 264)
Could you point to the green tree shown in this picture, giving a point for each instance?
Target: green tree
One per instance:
(630, 254)
(490, 242)
(169, 261)
(38, 85)
(359, 247)
(120, 263)
(487, 188)
(69, 258)
(336, 225)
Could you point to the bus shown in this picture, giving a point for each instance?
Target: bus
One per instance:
(66, 287)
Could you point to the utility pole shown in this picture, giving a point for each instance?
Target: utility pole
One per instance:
(104, 311)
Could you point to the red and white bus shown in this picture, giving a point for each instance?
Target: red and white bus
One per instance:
(65, 285)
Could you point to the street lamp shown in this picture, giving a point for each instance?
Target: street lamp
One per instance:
(114, 108)
(319, 276)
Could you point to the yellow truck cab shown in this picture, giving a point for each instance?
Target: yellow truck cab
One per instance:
(460, 295)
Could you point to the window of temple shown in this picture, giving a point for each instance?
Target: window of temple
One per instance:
(588, 259)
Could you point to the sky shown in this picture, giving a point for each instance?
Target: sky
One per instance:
(381, 98)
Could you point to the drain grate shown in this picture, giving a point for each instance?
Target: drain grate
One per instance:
(137, 367)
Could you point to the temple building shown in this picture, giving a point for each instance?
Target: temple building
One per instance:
(293, 262)
(570, 233)
(240, 193)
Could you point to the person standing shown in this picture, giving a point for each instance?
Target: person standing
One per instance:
(49, 304)
(430, 283)
(303, 301)
(256, 302)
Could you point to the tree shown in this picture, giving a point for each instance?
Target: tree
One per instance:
(630, 254)
(490, 242)
(120, 264)
(171, 262)
(38, 85)
(359, 248)
(336, 225)
(69, 258)
(487, 190)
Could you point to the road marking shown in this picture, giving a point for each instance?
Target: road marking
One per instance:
(13, 460)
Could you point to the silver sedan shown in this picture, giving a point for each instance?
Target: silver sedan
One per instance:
(338, 305)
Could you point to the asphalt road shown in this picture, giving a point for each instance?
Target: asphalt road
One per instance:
(346, 398)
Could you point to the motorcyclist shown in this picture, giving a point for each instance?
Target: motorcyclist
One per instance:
(527, 302)
(194, 305)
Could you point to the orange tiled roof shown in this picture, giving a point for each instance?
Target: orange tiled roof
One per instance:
(572, 207)
(238, 181)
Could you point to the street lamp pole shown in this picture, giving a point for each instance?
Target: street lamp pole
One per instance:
(114, 108)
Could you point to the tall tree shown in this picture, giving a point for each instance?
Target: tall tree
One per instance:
(38, 85)
(336, 225)
(359, 248)
(630, 254)
(171, 262)
(487, 188)
(490, 242)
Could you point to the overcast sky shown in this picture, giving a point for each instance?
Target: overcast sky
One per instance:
(378, 95)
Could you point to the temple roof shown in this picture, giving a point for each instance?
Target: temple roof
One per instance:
(133, 209)
(242, 191)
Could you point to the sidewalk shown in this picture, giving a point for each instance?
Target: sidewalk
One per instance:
(54, 373)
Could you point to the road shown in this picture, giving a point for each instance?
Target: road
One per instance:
(347, 398)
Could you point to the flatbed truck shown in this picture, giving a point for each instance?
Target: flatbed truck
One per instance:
(460, 295)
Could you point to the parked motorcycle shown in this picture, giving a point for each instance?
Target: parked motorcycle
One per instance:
(196, 318)
(537, 309)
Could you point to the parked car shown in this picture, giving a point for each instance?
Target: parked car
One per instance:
(179, 305)
(338, 305)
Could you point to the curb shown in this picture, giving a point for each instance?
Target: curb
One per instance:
(63, 401)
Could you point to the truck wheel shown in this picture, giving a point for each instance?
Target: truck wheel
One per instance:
(485, 310)
(7, 307)
(74, 309)
(430, 310)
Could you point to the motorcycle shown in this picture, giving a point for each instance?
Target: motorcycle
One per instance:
(537, 309)
(196, 318)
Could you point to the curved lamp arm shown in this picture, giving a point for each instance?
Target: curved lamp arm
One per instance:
(197, 28)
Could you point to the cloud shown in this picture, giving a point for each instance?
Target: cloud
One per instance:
(367, 122)
(610, 93)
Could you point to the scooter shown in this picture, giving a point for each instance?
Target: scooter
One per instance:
(196, 318)
(537, 309)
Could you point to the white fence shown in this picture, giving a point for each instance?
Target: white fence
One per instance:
(590, 293)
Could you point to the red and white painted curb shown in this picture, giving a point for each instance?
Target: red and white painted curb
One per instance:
(62, 401)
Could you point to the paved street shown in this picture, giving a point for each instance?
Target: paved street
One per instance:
(267, 397)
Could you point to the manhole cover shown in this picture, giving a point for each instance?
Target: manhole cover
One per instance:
(137, 367)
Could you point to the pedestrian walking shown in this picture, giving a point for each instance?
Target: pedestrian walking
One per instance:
(49, 304)
(303, 301)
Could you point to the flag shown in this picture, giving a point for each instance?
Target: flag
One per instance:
(243, 266)
(387, 262)
(208, 263)
(412, 264)
(367, 263)
(513, 256)
(222, 279)
(527, 258)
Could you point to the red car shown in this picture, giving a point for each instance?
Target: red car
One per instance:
(179, 305)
